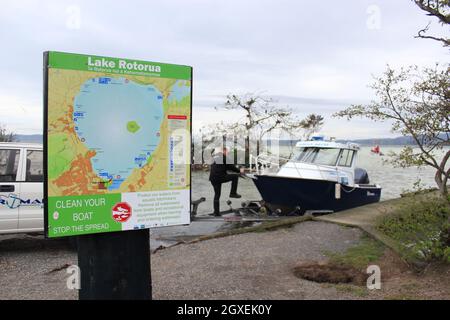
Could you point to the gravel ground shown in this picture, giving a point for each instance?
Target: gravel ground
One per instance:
(250, 266)
(26, 264)
(246, 266)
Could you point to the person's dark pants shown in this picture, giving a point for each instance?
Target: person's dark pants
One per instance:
(217, 185)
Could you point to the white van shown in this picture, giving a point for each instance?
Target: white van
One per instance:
(21, 188)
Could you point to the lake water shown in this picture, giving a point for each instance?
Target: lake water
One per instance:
(120, 120)
(394, 181)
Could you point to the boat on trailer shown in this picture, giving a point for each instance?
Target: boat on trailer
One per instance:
(320, 176)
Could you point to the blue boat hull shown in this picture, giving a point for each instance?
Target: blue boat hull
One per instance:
(288, 193)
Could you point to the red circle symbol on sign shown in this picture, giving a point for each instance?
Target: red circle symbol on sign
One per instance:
(121, 211)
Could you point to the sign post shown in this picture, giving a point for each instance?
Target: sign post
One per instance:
(117, 143)
(115, 265)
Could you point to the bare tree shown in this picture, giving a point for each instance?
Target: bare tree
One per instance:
(5, 135)
(417, 102)
(262, 116)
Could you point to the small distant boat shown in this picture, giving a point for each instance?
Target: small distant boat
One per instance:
(376, 150)
(320, 176)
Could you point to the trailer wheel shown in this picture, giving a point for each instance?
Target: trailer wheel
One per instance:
(263, 211)
(298, 211)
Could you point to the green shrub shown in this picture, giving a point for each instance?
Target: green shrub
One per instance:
(422, 227)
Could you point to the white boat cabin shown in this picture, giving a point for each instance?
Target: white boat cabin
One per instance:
(322, 160)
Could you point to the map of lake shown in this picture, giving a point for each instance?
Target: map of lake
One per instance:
(120, 120)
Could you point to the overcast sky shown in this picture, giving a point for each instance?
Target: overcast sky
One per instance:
(315, 56)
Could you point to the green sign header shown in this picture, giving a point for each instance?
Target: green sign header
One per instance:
(61, 60)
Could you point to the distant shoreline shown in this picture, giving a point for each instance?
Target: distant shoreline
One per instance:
(398, 141)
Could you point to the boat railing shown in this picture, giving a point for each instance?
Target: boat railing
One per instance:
(267, 163)
(271, 164)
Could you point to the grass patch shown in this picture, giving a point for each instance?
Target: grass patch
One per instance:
(422, 227)
(401, 297)
(359, 256)
(352, 289)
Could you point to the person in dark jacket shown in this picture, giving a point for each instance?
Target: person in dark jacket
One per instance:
(219, 175)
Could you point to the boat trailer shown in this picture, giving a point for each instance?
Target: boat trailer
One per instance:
(250, 210)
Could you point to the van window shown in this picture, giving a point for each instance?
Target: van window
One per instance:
(9, 161)
(35, 166)
(346, 158)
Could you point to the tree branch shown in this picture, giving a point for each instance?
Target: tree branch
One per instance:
(410, 130)
(421, 35)
(427, 7)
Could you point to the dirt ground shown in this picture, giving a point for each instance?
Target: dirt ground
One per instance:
(401, 282)
(245, 266)
(261, 266)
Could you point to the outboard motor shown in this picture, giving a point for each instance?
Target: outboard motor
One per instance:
(361, 176)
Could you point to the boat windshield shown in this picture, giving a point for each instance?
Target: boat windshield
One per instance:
(321, 156)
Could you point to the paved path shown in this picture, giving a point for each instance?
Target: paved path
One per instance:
(363, 217)
(366, 218)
